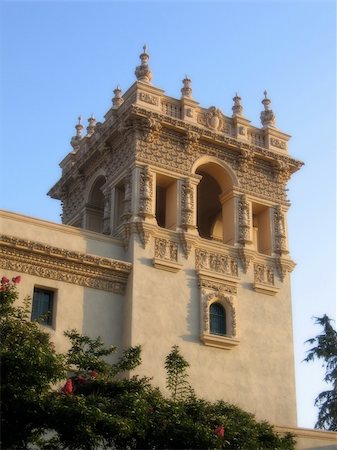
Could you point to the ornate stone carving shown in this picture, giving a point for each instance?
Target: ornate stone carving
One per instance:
(148, 98)
(166, 249)
(143, 71)
(245, 258)
(244, 220)
(151, 129)
(267, 116)
(216, 262)
(143, 234)
(284, 266)
(246, 160)
(127, 196)
(191, 141)
(214, 118)
(187, 205)
(225, 299)
(278, 143)
(263, 274)
(146, 188)
(282, 172)
(185, 243)
(280, 233)
(107, 213)
(60, 264)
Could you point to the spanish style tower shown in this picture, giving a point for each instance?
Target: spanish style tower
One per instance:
(199, 201)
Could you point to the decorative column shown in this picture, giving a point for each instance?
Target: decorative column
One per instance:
(107, 211)
(280, 237)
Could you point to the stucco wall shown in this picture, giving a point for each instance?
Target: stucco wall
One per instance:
(258, 374)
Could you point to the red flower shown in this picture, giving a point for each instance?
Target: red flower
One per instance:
(68, 387)
(81, 379)
(93, 374)
(220, 431)
(4, 280)
(17, 279)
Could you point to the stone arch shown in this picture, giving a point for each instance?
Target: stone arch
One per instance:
(215, 201)
(95, 204)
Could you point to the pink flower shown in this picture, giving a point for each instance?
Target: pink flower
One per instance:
(81, 379)
(68, 387)
(220, 431)
(93, 374)
(4, 280)
(17, 279)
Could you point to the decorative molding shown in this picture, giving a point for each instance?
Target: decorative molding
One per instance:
(147, 98)
(60, 264)
(264, 279)
(219, 295)
(213, 340)
(216, 262)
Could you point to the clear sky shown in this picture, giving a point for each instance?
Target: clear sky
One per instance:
(61, 59)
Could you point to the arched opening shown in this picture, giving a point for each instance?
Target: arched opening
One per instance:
(95, 207)
(209, 213)
(215, 204)
(217, 319)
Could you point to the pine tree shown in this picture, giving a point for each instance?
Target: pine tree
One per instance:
(325, 349)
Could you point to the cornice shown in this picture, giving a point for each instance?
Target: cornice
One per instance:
(60, 264)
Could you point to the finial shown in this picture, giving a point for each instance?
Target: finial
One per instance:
(186, 90)
(117, 99)
(237, 107)
(91, 126)
(143, 72)
(75, 140)
(267, 116)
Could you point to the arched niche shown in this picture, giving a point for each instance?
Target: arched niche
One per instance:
(94, 210)
(215, 201)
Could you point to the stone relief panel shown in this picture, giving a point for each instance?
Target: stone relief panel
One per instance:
(216, 262)
(264, 274)
(60, 264)
(166, 249)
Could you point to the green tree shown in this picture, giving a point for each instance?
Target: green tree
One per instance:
(176, 375)
(29, 365)
(325, 349)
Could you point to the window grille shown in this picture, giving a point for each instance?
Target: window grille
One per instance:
(217, 319)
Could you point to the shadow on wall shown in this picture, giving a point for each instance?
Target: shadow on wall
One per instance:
(102, 316)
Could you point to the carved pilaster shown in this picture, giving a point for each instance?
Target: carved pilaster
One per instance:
(244, 221)
(127, 197)
(280, 243)
(146, 193)
(187, 205)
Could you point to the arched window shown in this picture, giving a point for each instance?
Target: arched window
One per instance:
(217, 316)
(95, 207)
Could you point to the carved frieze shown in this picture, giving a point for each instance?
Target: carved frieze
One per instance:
(148, 98)
(165, 249)
(216, 262)
(263, 274)
(60, 264)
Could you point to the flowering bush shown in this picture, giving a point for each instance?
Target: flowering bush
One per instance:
(96, 407)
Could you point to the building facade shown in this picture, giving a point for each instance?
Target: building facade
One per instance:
(174, 232)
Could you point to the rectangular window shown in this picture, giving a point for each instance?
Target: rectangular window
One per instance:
(43, 303)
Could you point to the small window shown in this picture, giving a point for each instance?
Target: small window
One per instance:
(217, 319)
(42, 310)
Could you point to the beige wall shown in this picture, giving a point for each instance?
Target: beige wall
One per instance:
(258, 374)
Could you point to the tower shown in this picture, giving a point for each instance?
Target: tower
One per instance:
(198, 200)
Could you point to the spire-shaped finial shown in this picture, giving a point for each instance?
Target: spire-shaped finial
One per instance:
(118, 99)
(143, 72)
(267, 116)
(186, 90)
(237, 107)
(75, 140)
(91, 126)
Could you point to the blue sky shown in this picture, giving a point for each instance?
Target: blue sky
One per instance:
(61, 59)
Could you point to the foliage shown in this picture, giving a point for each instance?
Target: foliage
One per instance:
(325, 349)
(98, 408)
(176, 379)
(29, 365)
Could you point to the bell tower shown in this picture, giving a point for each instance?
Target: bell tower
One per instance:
(198, 199)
